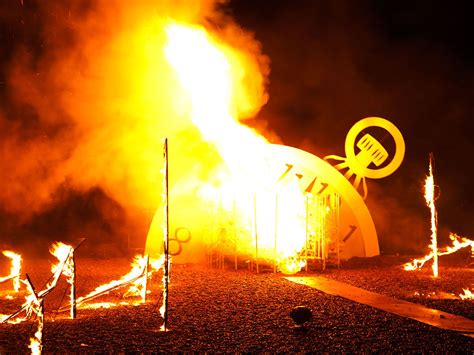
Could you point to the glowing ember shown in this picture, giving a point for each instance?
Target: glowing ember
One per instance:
(15, 269)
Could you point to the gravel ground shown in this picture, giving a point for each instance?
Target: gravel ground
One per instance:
(385, 275)
(228, 311)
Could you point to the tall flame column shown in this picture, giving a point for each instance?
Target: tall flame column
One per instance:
(429, 197)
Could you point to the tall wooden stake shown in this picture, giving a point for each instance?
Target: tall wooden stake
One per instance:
(275, 236)
(234, 213)
(166, 239)
(73, 288)
(430, 201)
(145, 280)
(256, 229)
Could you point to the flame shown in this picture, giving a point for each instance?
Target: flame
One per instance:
(108, 305)
(211, 74)
(36, 345)
(64, 265)
(135, 279)
(430, 198)
(457, 244)
(291, 265)
(467, 295)
(15, 269)
(36, 306)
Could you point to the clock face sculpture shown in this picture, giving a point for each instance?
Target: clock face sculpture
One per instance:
(305, 196)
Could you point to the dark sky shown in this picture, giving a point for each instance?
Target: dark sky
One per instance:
(412, 62)
(334, 62)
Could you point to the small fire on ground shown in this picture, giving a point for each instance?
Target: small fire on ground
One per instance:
(458, 242)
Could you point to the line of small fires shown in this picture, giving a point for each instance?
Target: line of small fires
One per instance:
(136, 282)
(143, 268)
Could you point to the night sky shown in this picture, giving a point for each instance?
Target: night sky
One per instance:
(412, 62)
(332, 63)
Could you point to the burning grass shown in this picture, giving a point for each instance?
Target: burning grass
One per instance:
(214, 310)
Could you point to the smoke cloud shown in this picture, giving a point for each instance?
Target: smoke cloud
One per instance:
(87, 99)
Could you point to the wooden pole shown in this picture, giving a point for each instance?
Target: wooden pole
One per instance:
(166, 239)
(275, 241)
(145, 280)
(256, 229)
(73, 288)
(306, 229)
(234, 212)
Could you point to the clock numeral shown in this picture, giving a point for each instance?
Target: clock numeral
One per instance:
(288, 168)
(324, 187)
(300, 176)
(311, 185)
(351, 232)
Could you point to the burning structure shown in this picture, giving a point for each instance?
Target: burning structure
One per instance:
(194, 76)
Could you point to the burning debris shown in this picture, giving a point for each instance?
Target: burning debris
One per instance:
(135, 280)
(458, 243)
(64, 266)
